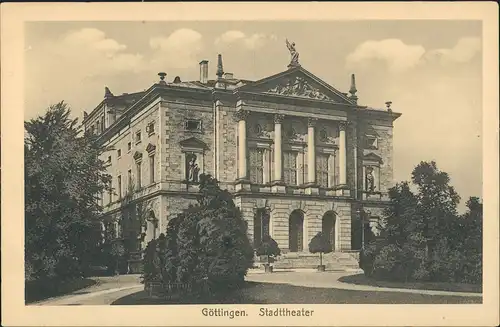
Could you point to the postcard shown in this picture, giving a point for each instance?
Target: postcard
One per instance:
(250, 164)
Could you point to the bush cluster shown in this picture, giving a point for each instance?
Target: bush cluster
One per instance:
(423, 236)
(205, 244)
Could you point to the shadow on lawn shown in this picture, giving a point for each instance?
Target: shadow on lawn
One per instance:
(44, 289)
(272, 293)
(361, 279)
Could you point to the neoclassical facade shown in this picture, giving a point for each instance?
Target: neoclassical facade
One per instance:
(299, 156)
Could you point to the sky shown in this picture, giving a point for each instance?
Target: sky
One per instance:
(431, 70)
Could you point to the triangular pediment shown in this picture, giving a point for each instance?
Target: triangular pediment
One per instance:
(193, 142)
(137, 155)
(297, 82)
(150, 148)
(372, 157)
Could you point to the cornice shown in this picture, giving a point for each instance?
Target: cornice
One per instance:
(283, 99)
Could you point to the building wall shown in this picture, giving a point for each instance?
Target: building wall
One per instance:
(176, 113)
(282, 207)
(172, 194)
(227, 143)
(383, 131)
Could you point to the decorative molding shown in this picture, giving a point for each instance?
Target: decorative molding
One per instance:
(137, 156)
(241, 114)
(291, 134)
(372, 157)
(343, 125)
(151, 148)
(193, 143)
(323, 135)
(311, 122)
(299, 87)
(278, 118)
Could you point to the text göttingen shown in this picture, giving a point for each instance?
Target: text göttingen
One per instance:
(263, 312)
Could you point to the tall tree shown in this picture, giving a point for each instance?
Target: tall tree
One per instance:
(423, 235)
(63, 179)
(437, 202)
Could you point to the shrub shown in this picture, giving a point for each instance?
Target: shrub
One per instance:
(206, 243)
(268, 247)
(150, 270)
(320, 244)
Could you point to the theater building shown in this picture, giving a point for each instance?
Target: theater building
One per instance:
(299, 156)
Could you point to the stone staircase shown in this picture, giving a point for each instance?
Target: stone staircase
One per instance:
(335, 261)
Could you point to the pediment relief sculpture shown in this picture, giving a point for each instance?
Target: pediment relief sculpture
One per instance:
(298, 86)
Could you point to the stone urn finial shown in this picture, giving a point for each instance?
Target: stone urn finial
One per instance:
(162, 77)
(388, 104)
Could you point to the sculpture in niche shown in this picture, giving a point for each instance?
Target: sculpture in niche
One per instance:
(370, 180)
(298, 86)
(192, 168)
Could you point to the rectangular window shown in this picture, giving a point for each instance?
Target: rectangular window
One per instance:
(290, 168)
(371, 142)
(129, 185)
(119, 153)
(150, 129)
(138, 137)
(138, 179)
(152, 168)
(322, 169)
(110, 191)
(102, 125)
(129, 146)
(119, 187)
(192, 125)
(256, 166)
(109, 159)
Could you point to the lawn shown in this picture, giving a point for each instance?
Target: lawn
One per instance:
(361, 279)
(40, 290)
(276, 293)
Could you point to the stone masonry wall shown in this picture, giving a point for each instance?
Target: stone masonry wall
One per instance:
(227, 130)
(314, 210)
(175, 114)
(384, 134)
(121, 164)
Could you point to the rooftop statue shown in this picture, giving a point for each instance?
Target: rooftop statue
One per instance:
(294, 61)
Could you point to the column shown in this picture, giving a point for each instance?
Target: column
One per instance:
(331, 170)
(278, 153)
(266, 167)
(311, 151)
(241, 116)
(342, 154)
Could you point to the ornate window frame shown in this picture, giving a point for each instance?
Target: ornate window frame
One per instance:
(151, 150)
(266, 147)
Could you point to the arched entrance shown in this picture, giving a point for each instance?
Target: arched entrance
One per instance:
(296, 231)
(328, 227)
(260, 226)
